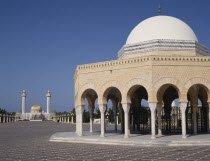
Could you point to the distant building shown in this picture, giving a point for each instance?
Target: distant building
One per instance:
(36, 112)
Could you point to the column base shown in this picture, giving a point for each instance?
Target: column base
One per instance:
(126, 137)
(153, 137)
(160, 134)
(79, 134)
(184, 137)
(102, 136)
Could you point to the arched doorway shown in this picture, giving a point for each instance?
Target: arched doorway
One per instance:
(88, 100)
(168, 112)
(140, 116)
(198, 105)
(113, 109)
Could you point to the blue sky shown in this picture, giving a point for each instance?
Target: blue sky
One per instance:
(42, 41)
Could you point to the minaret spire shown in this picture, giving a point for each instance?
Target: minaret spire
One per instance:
(23, 104)
(48, 95)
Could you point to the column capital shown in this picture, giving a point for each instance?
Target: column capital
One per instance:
(79, 109)
(152, 106)
(183, 105)
(126, 107)
(102, 108)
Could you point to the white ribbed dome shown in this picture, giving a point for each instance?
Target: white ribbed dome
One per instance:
(161, 27)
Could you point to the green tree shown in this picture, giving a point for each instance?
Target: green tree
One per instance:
(110, 115)
(3, 111)
(86, 116)
(97, 114)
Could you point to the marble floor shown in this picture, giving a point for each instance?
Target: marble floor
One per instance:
(28, 141)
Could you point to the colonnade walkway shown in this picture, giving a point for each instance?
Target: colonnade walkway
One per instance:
(113, 138)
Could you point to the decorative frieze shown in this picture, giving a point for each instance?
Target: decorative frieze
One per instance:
(159, 44)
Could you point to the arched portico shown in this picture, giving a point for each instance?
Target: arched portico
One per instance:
(110, 93)
(168, 116)
(198, 102)
(139, 115)
(90, 95)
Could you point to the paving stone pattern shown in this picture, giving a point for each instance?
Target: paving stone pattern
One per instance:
(28, 141)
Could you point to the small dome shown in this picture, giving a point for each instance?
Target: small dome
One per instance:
(161, 27)
(36, 108)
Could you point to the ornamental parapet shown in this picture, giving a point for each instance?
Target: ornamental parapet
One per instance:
(143, 59)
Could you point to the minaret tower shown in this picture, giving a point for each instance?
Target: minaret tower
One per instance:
(23, 103)
(48, 95)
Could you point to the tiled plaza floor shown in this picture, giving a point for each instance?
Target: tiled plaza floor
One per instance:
(30, 141)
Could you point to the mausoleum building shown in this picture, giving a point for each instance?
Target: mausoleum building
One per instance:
(161, 61)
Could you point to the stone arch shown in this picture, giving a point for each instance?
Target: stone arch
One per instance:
(197, 81)
(133, 82)
(166, 81)
(104, 90)
(80, 96)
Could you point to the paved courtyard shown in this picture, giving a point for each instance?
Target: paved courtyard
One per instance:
(29, 141)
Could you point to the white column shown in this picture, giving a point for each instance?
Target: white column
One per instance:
(48, 95)
(23, 104)
(91, 118)
(7, 120)
(72, 119)
(183, 106)
(126, 108)
(102, 109)
(195, 110)
(152, 107)
(79, 120)
(159, 109)
(4, 118)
